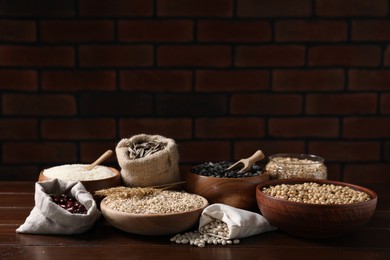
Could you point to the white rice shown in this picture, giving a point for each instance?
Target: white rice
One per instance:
(78, 172)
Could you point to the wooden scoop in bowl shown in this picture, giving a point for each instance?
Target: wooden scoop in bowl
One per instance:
(99, 160)
(247, 162)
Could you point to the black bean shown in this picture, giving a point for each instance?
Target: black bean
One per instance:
(219, 170)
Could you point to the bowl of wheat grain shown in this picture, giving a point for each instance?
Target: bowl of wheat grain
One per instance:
(151, 211)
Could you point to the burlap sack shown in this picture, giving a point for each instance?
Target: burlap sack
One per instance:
(158, 168)
(49, 218)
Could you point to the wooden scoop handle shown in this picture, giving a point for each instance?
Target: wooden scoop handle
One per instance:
(99, 160)
(257, 156)
(248, 162)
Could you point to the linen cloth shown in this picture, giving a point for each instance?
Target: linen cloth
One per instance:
(241, 223)
(49, 218)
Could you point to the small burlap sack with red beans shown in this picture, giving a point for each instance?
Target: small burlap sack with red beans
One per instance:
(159, 168)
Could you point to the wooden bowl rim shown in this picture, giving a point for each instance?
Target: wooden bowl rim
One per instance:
(116, 172)
(263, 174)
(104, 207)
(370, 192)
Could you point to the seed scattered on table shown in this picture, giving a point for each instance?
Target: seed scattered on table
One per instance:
(210, 234)
(315, 193)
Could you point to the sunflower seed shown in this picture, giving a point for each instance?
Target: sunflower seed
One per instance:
(140, 150)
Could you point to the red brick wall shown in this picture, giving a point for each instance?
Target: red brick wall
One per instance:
(223, 78)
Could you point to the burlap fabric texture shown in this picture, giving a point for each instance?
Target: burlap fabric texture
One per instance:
(158, 168)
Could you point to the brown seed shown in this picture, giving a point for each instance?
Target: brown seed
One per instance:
(140, 150)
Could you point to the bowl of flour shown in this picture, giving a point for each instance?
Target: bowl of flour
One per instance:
(100, 177)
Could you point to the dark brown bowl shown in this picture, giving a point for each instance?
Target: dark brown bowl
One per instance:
(315, 220)
(235, 192)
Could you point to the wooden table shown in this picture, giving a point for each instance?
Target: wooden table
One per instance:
(105, 242)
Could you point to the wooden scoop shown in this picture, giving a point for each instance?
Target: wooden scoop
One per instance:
(247, 162)
(99, 160)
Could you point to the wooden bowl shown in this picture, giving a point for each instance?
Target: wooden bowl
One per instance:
(152, 224)
(94, 185)
(235, 192)
(315, 220)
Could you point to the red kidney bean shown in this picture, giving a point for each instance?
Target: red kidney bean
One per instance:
(69, 203)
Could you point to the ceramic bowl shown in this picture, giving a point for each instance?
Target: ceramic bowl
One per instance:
(235, 192)
(315, 220)
(152, 224)
(94, 185)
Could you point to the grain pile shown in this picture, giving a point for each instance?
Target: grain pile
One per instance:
(78, 172)
(314, 193)
(151, 200)
(281, 167)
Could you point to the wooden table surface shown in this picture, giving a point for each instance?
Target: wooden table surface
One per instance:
(105, 242)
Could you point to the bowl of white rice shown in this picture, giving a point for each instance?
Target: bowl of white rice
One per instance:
(100, 177)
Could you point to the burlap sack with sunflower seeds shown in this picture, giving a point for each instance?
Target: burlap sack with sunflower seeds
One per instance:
(158, 168)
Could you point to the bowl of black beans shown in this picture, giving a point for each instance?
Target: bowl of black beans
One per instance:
(215, 182)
